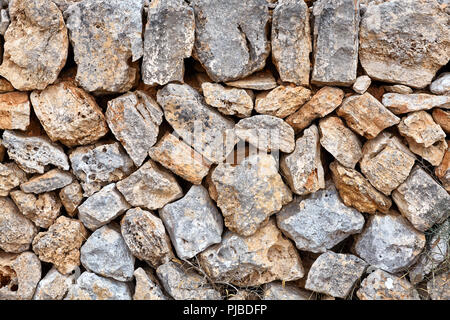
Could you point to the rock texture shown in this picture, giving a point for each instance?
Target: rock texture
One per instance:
(71, 197)
(282, 101)
(262, 80)
(443, 171)
(14, 111)
(420, 127)
(404, 103)
(441, 85)
(278, 291)
(11, 176)
(442, 118)
(147, 287)
(438, 288)
(53, 286)
(49, 181)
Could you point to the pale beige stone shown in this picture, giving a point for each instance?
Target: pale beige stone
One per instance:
(71, 197)
(262, 80)
(11, 176)
(282, 101)
(420, 127)
(404, 103)
(14, 111)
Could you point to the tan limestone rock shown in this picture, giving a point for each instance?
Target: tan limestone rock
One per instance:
(14, 110)
(282, 101)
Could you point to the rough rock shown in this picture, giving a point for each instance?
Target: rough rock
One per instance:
(102, 207)
(90, 286)
(106, 253)
(100, 164)
(262, 80)
(4, 21)
(193, 222)
(14, 111)
(321, 104)
(380, 285)
(61, 244)
(36, 44)
(398, 88)
(361, 84)
(53, 286)
(42, 209)
(11, 176)
(33, 154)
(422, 200)
(249, 193)
(150, 187)
(386, 162)
(335, 274)
(16, 231)
(168, 40)
(71, 197)
(231, 44)
(319, 221)
(64, 4)
(267, 133)
(443, 171)
(5, 86)
(442, 118)
(441, 85)
(146, 237)
(340, 141)
(184, 284)
(49, 181)
(420, 127)
(404, 41)
(389, 242)
(438, 288)
(202, 127)
(180, 158)
(147, 287)
(291, 41)
(229, 101)
(366, 115)
(278, 291)
(264, 257)
(282, 101)
(106, 35)
(20, 274)
(69, 114)
(303, 168)
(355, 191)
(335, 42)
(433, 154)
(436, 252)
(404, 103)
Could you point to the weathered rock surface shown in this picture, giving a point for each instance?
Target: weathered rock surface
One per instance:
(389, 242)
(102, 207)
(53, 286)
(442, 118)
(361, 84)
(49, 181)
(366, 115)
(202, 127)
(355, 191)
(398, 88)
(36, 44)
(16, 231)
(441, 85)
(42, 209)
(14, 110)
(340, 141)
(90, 286)
(335, 42)
(231, 44)
(146, 237)
(100, 164)
(193, 222)
(319, 221)
(69, 114)
(184, 284)
(20, 274)
(134, 119)
(180, 158)
(291, 41)
(71, 197)
(386, 162)
(106, 35)
(420, 127)
(422, 200)
(404, 42)
(250, 261)
(267, 133)
(278, 291)
(150, 187)
(61, 244)
(380, 285)
(438, 288)
(262, 80)
(5, 86)
(229, 101)
(282, 101)
(335, 274)
(106, 253)
(11, 176)
(321, 104)
(404, 103)
(433, 154)
(168, 40)
(249, 193)
(33, 154)
(147, 287)
(443, 171)
(303, 168)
